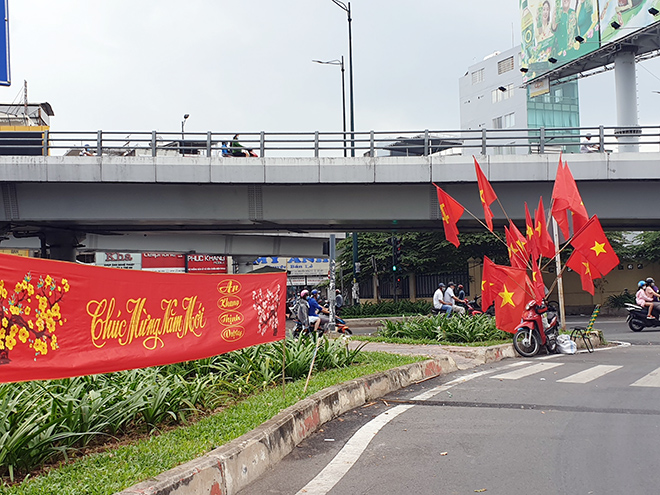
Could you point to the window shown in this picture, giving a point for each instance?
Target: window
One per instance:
(509, 120)
(497, 123)
(499, 95)
(478, 76)
(505, 65)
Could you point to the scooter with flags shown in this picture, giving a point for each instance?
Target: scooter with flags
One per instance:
(536, 330)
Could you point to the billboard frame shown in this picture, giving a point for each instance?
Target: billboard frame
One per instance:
(643, 42)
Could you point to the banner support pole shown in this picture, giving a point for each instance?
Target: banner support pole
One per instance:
(283, 367)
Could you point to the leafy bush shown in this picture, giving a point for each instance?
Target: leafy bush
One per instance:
(387, 308)
(44, 420)
(457, 329)
(618, 301)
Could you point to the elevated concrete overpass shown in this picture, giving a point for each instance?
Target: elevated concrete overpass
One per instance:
(108, 201)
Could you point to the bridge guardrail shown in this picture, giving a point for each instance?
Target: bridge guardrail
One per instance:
(329, 144)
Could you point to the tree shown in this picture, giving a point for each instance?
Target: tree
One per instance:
(421, 252)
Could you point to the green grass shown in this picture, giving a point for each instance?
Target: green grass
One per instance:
(121, 467)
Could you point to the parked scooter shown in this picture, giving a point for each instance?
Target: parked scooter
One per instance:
(638, 318)
(535, 330)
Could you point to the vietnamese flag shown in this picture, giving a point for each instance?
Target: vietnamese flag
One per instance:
(486, 194)
(537, 281)
(510, 298)
(490, 278)
(545, 242)
(451, 211)
(565, 198)
(532, 238)
(516, 245)
(580, 265)
(594, 247)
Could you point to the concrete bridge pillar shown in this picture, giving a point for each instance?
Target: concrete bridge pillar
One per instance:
(63, 244)
(625, 77)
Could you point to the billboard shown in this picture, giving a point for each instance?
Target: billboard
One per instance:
(556, 32)
(629, 15)
(5, 79)
(550, 29)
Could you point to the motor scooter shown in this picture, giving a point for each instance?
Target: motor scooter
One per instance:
(533, 332)
(471, 307)
(340, 327)
(638, 318)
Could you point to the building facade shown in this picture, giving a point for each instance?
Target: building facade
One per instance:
(492, 96)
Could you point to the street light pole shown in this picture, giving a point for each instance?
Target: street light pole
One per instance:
(347, 8)
(343, 91)
(356, 265)
(183, 123)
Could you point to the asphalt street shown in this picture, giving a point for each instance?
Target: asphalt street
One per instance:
(588, 423)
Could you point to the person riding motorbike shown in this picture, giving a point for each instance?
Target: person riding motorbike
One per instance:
(315, 308)
(304, 313)
(438, 304)
(643, 299)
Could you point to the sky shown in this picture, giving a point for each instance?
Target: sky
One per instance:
(246, 66)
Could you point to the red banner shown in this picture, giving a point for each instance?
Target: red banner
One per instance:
(64, 319)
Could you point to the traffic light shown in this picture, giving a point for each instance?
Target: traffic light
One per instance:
(396, 252)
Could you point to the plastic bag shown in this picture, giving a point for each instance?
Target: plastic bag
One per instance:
(565, 345)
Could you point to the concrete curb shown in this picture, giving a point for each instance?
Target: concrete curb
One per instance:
(228, 469)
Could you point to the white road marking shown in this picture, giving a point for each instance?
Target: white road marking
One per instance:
(589, 374)
(351, 452)
(650, 380)
(530, 370)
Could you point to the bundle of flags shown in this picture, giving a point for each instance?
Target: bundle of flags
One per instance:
(509, 288)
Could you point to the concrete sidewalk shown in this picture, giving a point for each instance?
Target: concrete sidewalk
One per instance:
(231, 467)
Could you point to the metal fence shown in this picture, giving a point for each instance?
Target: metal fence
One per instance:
(328, 144)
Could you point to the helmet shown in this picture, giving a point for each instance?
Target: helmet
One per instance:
(304, 294)
(641, 283)
(451, 283)
(314, 292)
(650, 281)
(441, 284)
(460, 286)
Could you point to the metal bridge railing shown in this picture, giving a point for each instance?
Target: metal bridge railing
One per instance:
(328, 144)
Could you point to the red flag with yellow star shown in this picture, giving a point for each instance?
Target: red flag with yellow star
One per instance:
(510, 298)
(531, 235)
(580, 265)
(486, 194)
(537, 281)
(594, 247)
(516, 245)
(491, 277)
(451, 211)
(565, 198)
(546, 244)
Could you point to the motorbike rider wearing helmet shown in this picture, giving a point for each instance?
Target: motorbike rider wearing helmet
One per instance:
(304, 313)
(643, 299)
(652, 292)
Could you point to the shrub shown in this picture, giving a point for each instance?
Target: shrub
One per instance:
(387, 308)
(456, 329)
(618, 301)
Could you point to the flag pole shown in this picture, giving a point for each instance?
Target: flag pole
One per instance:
(559, 279)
